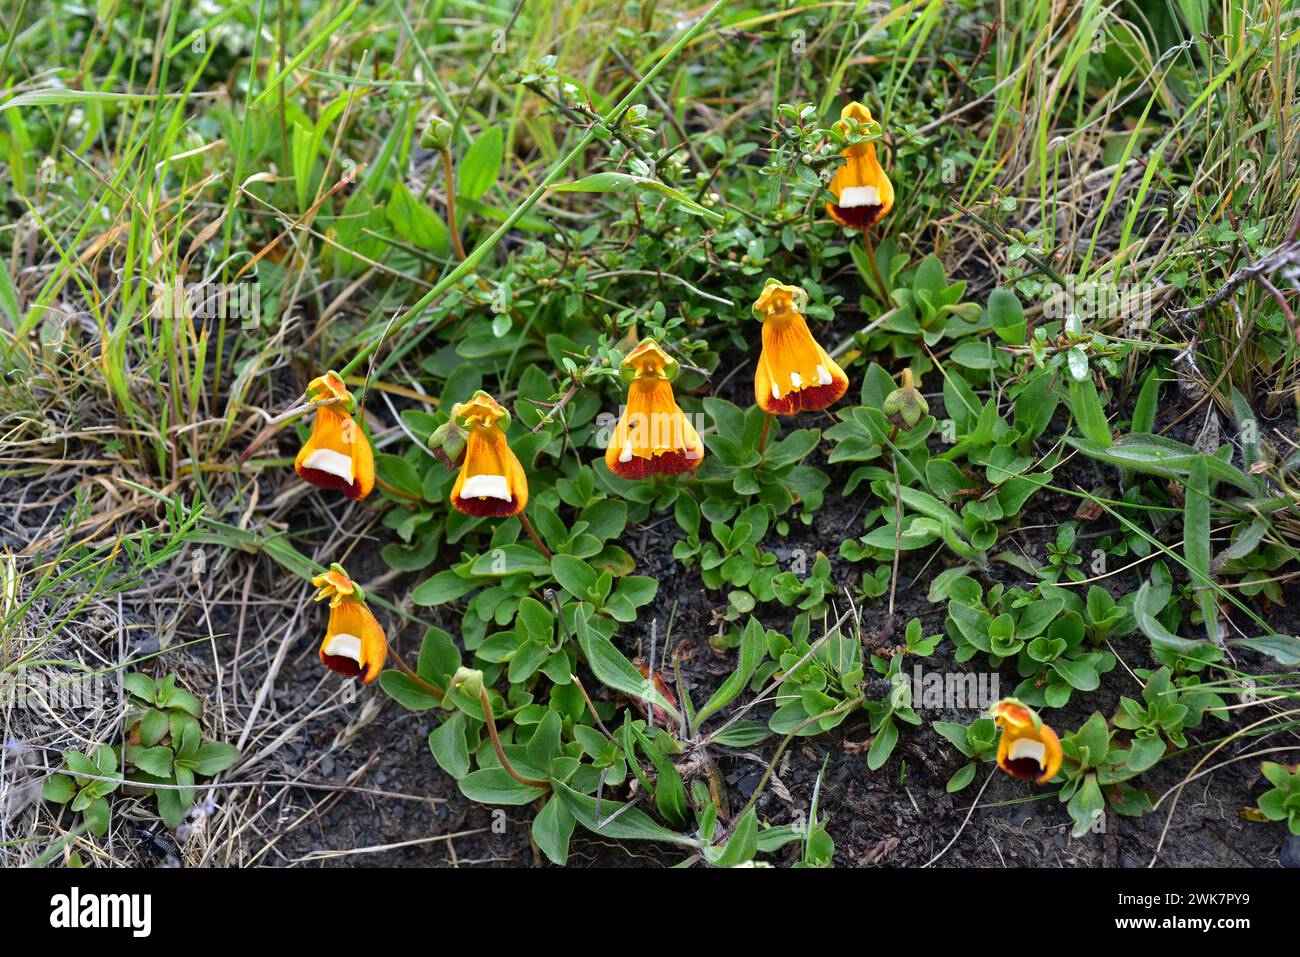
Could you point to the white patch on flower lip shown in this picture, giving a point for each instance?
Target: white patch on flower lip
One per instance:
(626, 454)
(330, 462)
(852, 196)
(796, 380)
(823, 376)
(776, 393)
(1029, 748)
(486, 486)
(344, 646)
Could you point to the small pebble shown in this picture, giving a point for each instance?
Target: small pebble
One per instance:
(1290, 856)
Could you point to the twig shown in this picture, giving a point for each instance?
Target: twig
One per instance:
(273, 425)
(969, 812)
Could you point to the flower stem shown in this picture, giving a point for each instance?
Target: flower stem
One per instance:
(870, 247)
(451, 204)
(767, 427)
(496, 743)
(532, 533)
(405, 669)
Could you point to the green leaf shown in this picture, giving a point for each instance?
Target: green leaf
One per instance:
(481, 167)
(511, 560)
(1196, 543)
(552, 830)
(415, 222)
(447, 742)
(1086, 807)
(142, 686)
(399, 473)
(1144, 613)
(443, 587)
(156, 761)
(611, 668)
(97, 816)
(105, 759)
(406, 692)
(963, 777)
(214, 757)
(1145, 752)
(1089, 414)
(1007, 317)
(792, 448)
(743, 734)
(439, 657)
(1284, 649)
(574, 575)
(171, 808)
(637, 590)
(544, 747)
(58, 788)
(79, 764)
(1077, 674)
(753, 649)
(496, 786)
(882, 746)
(536, 620)
(632, 824)
(743, 844)
(1164, 457)
(1144, 409)
(608, 518)
(1094, 739)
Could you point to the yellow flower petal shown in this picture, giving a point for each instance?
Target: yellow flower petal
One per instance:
(354, 642)
(863, 193)
(653, 435)
(491, 480)
(1028, 748)
(794, 373)
(337, 456)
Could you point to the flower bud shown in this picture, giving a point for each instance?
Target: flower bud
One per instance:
(467, 680)
(448, 442)
(437, 135)
(905, 406)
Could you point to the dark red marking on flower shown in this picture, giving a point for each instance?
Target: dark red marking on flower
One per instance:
(486, 506)
(858, 217)
(812, 399)
(342, 664)
(331, 483)
(1022, 767)
(665, 463)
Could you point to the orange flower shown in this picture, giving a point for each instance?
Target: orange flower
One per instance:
(1028, 748)
(337, 455)
(491, 480)
(354, 642)
(794, 373)
(863, 193)
(653, 435)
